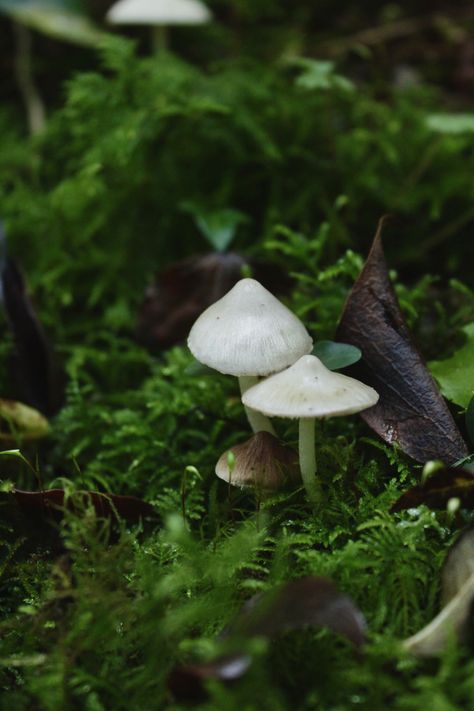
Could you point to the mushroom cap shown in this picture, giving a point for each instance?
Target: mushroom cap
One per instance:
(261, 462)
(158, 12)
(308, 389)
(248, 332)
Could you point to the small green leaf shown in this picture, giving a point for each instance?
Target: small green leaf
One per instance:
(336, 355)
(470, 420)
(455, 375)
(451, 123)
(320, 75)
(217, 226)
(197, 368)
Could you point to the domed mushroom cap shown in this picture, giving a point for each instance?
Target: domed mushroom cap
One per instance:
(309, 389)
(158, 12)
(248, 332)
(261, 462)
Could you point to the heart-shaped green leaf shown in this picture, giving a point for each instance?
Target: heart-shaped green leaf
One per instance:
(336, 355)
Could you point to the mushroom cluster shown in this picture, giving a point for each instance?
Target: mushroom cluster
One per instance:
(250, 334)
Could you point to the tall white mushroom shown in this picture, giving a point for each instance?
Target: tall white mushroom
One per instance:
(249, 333)
(158, 14)
(306, 391)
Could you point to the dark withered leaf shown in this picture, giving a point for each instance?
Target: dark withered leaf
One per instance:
(187, 683)
(445, 484)
(308, 601)
(51, 503)
(187, 288)
(312, 600)
(34, 517)
(470, 421)
(411, 410)
(455, 617)
(38, 377)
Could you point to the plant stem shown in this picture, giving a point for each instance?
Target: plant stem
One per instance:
(258, 422)
(33, 103)
(308, 459)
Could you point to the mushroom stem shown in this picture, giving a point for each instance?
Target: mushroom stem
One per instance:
(159, 39)
(308, 459)
(24, 72)
(257, 421)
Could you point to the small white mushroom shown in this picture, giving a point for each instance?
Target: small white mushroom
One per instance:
(249, 333)
(305, 391)
(158, 14)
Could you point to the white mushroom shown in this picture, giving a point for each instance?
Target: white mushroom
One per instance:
(249, 333)
(306, 391)
(158, 14)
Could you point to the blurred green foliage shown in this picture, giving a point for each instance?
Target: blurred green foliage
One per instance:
(98, 202)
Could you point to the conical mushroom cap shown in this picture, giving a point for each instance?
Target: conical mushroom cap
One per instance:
(158, 12)
(309, 389)
(248, 332)
(261, 462)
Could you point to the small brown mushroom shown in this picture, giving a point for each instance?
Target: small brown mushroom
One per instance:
(261, 462)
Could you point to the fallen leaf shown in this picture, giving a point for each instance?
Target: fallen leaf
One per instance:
(410, 411)
(51, 502)
(470, 420)
(457, 598)
(187, 288)
(445, 484)
(313, 600)
(32, 517)
(187, 683)
(308, 601)
(455, 375)
(39, 378)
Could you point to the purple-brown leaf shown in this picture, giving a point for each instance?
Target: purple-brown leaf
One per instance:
(51, 503)
(40, 380)
(411, 410)
(435, 492)
(308, 601)
(313, 600)
(188, 287)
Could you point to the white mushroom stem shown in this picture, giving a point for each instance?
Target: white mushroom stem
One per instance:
(307, 456)
(159, 39)
(24, 71)
(257, 421)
